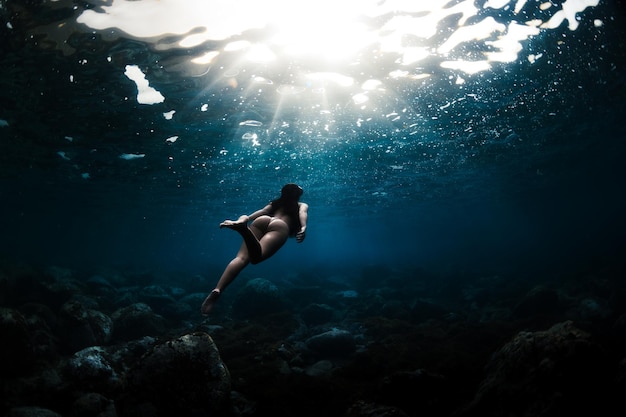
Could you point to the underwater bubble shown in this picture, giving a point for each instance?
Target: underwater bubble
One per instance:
(253, 123)
(130, 156)
(287, 90)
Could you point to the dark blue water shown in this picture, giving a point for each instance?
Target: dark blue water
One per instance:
(518, 169)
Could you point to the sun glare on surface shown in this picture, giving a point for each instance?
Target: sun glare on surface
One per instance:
(330, 30)
(339, 44)
(335, 32)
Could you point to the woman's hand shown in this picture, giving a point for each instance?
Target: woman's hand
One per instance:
(301, 235)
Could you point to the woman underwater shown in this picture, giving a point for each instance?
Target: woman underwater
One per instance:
(270, 228)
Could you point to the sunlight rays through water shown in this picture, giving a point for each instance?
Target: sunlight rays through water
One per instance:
(400, 92)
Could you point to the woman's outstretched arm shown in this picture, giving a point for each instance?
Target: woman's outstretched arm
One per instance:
(303, 213)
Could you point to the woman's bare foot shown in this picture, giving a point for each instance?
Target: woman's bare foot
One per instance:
(210, 301)
(234, 224)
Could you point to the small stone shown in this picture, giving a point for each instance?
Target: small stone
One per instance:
(333, 343)
(315, 314)
(93, 404)
(320, 368)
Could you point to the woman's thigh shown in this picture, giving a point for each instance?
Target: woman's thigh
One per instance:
(274, 238)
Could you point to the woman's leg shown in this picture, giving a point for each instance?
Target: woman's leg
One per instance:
(251, 236)
(234, 267)
(263, 238)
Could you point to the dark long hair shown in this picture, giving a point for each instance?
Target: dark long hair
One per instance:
(288, 203)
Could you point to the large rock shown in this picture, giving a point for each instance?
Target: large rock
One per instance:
(333, 343)
(93, 405)
(92, 368)
(258, 297)
(419, 392)
(56, 286)
(136, 321)
(32, 412)
(366, 409)
(184, 376)
(560, 371)
(538, 301)
(16, 352)
(163, 300)
(80, 327)
(315, 314)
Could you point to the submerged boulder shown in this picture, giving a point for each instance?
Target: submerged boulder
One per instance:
(560, 371)
(52, 287)
(80, 327)
(367, 409)
(258, 297)
(419, 392)
(93, 404)
(136, 321)
(16, 351)
(184, 376)
(156, 296)
(92, 368)
(333, 343)
(32, 412)
(315, 314)
(538, 301)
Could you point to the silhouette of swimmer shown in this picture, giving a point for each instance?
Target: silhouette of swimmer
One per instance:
(271, 226)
